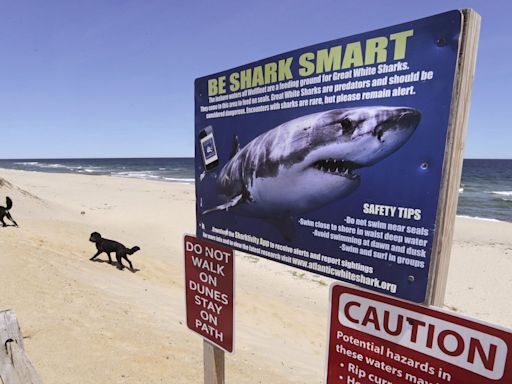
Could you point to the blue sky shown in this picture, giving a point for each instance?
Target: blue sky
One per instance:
(105, 78)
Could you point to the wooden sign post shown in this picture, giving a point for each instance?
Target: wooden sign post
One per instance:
(452, 167)
(213, 361)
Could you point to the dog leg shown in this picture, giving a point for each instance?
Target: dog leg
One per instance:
(119, 262)
(109, 258)
(96, 255)
(10, 218)
(129, 262)
(3, 222)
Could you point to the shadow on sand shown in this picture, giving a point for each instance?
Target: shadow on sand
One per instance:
(134, 270)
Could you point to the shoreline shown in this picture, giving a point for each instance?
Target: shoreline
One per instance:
(165, 169)
(88, 322)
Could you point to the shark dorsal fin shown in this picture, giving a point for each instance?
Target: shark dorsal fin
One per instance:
(235, 147)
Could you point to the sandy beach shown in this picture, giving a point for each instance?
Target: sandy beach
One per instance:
(87, 322)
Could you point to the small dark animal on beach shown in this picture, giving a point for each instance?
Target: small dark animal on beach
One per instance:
(109, 246)
(4, 212)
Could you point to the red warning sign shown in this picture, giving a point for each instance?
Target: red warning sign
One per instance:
(380, 340)
(209, 291)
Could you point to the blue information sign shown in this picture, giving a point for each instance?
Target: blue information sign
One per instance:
(329, 158)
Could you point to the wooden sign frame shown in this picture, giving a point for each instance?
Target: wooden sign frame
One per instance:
(452, 167)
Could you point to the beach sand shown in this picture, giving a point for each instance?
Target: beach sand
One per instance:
(86, 322)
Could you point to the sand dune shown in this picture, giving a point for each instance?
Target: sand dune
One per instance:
(87, 322)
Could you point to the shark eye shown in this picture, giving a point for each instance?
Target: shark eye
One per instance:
(347, 125)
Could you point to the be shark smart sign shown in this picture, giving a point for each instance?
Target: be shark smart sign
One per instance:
(329, 158)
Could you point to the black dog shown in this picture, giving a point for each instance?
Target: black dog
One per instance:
(108, 246)
(4, 212)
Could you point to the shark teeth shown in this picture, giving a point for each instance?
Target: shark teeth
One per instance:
(339, 167)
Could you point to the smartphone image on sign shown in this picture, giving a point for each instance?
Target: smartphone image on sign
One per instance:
(208, 148)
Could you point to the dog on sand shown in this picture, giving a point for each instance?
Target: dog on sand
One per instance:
(4, 212)
(109, 246)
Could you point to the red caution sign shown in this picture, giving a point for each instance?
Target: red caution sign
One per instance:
(209, 291)
(380, 340)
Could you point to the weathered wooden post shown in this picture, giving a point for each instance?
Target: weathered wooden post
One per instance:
(452, 168)
(15, 366)
(213, 358)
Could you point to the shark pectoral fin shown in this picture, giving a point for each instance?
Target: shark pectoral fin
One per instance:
(231, 203)
(286, 226)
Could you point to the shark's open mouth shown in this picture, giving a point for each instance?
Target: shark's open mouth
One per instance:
(343, 168)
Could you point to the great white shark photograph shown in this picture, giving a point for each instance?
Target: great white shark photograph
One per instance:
(309, 162)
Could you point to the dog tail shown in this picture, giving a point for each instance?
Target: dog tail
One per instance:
(8, 203)
(133, 250)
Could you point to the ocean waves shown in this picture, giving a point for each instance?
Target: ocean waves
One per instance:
(164, 169)
(486, 190)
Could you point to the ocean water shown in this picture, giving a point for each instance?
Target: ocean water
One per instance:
(485, 191)
(164, 169)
